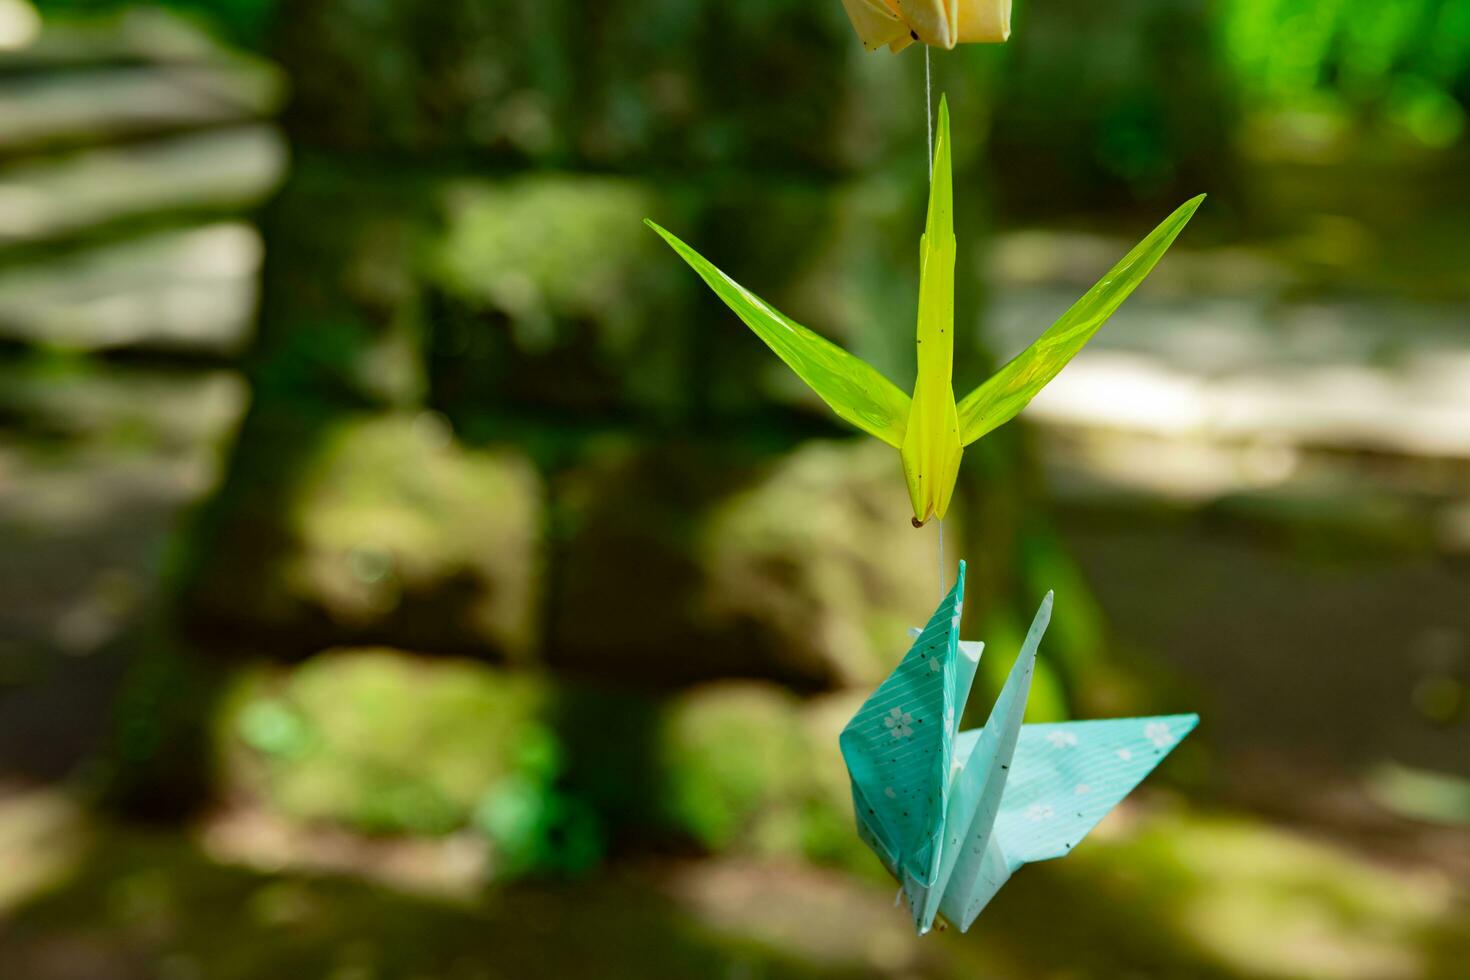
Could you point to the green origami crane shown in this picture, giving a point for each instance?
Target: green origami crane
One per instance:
(929, 429)
(951, 814)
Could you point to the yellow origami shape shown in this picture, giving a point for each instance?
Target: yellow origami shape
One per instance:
(941, 23)
(930, 429)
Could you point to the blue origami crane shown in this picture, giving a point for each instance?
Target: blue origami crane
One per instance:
(954, 814)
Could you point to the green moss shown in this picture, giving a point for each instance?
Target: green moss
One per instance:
(391, 507)
(545, 246)
(549, 291)
(741, 768)
(385, 742)
(734, 758)
(381, 530)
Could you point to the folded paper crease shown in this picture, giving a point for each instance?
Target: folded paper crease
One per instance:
(953, 814)
(930, 429)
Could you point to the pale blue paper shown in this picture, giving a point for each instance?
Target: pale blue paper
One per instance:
(953, 814)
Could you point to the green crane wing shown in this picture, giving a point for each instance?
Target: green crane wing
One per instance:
(1010, 389)
(854, 389)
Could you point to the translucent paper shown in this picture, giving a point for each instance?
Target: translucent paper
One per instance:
(929, 429)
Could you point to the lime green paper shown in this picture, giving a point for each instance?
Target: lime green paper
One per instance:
(853, 388)
(931, 430)
(1010, 389)
(931, 443)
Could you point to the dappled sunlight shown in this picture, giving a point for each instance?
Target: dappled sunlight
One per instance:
(409, 569)
(192, 291)
(1418, 409)
(43, 838)
(1271, 904)
(1213, 894)
(215, 169)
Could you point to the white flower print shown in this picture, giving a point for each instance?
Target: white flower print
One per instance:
(1083, 789)
(888, 792)
(1061, 740)
(1125, 754)
(1038, 812)
(900, 723)
(935, 665)
(1158, 733)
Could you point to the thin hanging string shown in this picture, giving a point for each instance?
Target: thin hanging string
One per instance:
(940, 522)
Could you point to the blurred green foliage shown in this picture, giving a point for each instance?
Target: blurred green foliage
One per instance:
(388, 744)
(548, 771)
(1405, 62)
(744, 774)
(1110, 105)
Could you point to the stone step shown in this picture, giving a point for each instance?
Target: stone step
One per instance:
(1247, 356)
(192, 290)
(157, 409)
(92, 105)
(53, 199)
(134, 35)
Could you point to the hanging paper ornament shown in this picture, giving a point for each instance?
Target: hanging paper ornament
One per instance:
(953, 814)
(941, 23)
(930, 429)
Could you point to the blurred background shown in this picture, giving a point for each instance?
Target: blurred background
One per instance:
(410, 570)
